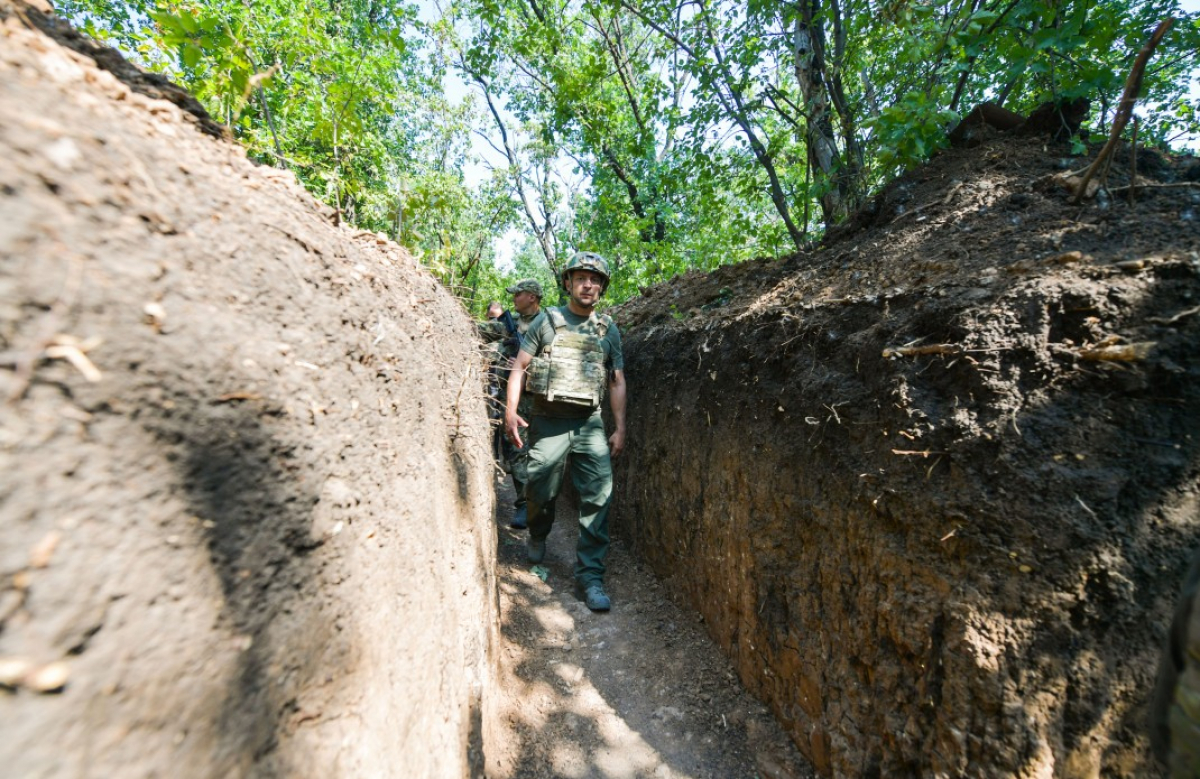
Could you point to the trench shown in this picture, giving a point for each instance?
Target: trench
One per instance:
(264, 544)
(923, 565)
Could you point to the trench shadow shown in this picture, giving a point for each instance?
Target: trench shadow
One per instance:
(651, 736)
(539, 620)
(255, 517)
(521, 627)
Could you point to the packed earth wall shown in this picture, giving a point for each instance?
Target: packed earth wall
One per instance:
(937, 527)
(245, 484)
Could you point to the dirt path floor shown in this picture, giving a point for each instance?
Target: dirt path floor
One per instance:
(640, 691)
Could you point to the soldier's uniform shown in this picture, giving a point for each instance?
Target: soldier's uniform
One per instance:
(571, 427)
(515, 458)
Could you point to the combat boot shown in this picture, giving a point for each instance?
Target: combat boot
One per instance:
(518, 520)
(537, 550)
(594, 596)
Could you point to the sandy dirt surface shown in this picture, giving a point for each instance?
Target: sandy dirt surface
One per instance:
(245, 493)
(640, 691)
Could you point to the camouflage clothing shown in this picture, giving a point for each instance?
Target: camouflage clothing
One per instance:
(1175, 703)
(492, 331)
(526, 285)
(567, 430)
(541, 334)
(554, 438)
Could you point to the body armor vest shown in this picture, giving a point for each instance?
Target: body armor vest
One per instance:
(571, 368)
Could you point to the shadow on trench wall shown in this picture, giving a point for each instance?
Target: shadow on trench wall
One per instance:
(256, 516)
(995, 592)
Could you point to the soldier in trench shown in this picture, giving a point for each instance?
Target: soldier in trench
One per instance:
(569, 356)
(527, 302)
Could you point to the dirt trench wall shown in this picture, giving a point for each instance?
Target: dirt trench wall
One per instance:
(991, 608)
(245, 488)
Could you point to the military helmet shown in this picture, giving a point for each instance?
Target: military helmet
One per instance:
(586, 261)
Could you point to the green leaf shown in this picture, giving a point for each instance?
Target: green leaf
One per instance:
(191, 55)
(239, 78)
(188, 23)
(168, 21)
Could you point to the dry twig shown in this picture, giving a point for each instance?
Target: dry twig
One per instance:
(914, 351)
(1159, 320)
(1147, 185)
(1107, 352)
(74, 351)
(1133, 162)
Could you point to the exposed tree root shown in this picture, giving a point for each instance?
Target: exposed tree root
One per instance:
(1081, 183)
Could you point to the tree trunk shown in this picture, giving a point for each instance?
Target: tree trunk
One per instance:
(823, 152)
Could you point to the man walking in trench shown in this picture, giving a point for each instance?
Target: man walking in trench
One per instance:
(527, 302)
(572, 355)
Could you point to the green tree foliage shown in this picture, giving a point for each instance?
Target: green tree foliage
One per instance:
(666, 134)
(714, 131)
(320, 88)
(951, 57)
(339, 93)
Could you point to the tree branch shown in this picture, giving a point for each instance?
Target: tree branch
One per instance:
(540, 231)
(1133, 85)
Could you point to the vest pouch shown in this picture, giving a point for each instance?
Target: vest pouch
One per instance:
(537, 376)
(576, 374)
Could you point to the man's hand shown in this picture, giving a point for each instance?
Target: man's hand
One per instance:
(512, 429)
(616, 443)
(516, 378)
(616, 400)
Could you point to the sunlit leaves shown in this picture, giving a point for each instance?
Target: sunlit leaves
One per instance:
(632, 119)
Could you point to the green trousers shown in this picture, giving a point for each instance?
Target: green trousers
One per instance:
(515, 458)
(582, 444)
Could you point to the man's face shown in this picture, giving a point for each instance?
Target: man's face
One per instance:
(525, 302)
(584, 287)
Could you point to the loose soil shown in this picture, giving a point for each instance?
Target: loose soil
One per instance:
(933, 483)
(640, 691)
(932, 524)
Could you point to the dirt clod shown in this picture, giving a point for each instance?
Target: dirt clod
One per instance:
(932, 484)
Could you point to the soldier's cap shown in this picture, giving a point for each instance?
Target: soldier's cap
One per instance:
(525, 285)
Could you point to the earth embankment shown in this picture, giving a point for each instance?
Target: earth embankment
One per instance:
(245, 487)
(933, 485)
